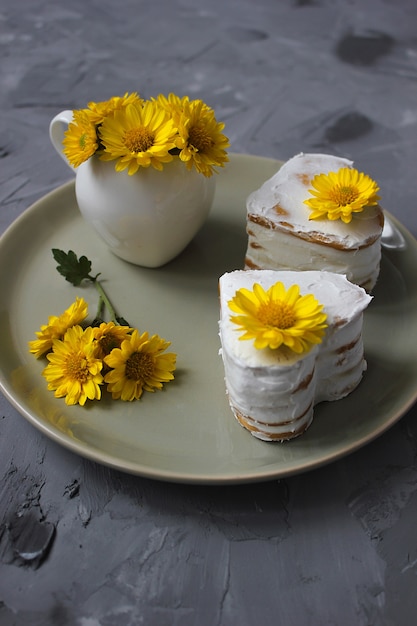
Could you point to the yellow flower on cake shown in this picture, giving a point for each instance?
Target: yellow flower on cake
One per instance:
(73, 370)
(80, 141)
(201, 142)
(339, 194)
(138, 136)
(278, 317)
(57, 326)
(109, 336)
(140, 364)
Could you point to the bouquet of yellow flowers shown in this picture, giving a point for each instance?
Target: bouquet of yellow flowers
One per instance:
(136, 133)
(86, 358)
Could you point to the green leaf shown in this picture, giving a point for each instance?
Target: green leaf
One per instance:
(73, 269)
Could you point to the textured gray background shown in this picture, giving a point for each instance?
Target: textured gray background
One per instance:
(336, 546)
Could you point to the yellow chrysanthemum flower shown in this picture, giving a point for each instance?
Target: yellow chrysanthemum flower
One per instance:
(80, 140)
(73, 370)
(138, 136)
(99, 110)
(339, 194)
(57, 327)
(278, 317)
(201, 141)
(108, 336)
(138, 365)
(172, 103)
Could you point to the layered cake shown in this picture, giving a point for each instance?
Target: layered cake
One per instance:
(316, 213)
(272, 391)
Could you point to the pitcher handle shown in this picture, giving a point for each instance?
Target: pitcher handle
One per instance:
(57, 128)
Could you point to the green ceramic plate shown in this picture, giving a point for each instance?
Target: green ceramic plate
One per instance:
(186, 433)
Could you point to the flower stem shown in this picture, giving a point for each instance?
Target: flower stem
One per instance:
(105, 299)
(100, 306)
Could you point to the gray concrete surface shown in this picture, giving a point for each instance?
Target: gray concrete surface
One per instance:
(333, 547)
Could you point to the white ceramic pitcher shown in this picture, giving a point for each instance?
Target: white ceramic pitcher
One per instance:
(147, 218)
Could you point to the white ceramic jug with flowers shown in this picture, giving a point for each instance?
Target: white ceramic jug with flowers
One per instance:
(143, 171)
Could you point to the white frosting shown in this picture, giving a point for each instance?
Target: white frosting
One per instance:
(275, 390)
(281, 235)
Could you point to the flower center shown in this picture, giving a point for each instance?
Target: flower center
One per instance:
(277, 314)
(138, 139)
(139, 366)
(342, 196)
(76, 367)
(108, 342)
(199, 138)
